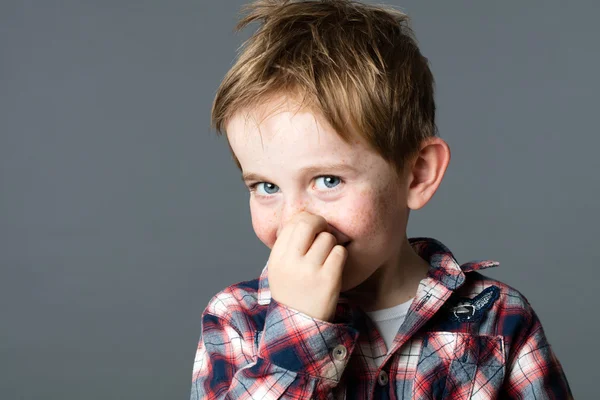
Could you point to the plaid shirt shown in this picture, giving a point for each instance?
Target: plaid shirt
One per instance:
(465, 336)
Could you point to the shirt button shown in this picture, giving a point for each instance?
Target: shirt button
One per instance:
(340, 352)
(382, 378)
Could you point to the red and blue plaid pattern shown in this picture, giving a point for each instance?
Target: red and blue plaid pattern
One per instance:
(458, 341)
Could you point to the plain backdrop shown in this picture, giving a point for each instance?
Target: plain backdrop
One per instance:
(122, 213)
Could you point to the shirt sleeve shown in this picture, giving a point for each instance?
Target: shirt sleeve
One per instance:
(297, 356)
(533, 370)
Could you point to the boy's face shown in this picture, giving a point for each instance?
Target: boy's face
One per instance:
(362, 200)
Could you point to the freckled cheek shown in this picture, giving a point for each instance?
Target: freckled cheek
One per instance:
(359, 219)
(265, 223)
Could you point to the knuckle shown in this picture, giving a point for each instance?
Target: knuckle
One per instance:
(327, 237)
(303, 222)
(320, 220)
(301, 216)
(341, 250)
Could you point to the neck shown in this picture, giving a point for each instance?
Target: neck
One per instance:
(393, 283)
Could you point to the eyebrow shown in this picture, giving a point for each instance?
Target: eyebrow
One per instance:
(337, 167)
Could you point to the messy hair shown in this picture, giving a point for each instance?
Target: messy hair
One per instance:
(357, 65)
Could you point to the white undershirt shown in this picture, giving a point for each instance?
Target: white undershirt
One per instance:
(388, 321)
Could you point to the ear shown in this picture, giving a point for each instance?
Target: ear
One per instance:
(426, 171)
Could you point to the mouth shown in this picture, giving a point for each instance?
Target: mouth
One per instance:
(346, 244)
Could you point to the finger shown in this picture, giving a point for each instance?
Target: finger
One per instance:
(286, 236)
(321, 248)
(283, 239)
(334, 264)
(307, 227)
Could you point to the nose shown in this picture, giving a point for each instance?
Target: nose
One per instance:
(295, 203)
(290, 209)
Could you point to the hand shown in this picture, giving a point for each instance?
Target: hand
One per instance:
(305, 267)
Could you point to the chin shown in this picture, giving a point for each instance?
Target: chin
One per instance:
(351, 281)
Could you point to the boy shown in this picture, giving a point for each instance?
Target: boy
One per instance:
(329, 114)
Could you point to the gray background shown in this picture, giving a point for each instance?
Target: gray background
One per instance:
(122, 214)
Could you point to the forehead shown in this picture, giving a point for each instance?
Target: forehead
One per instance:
(281, 129)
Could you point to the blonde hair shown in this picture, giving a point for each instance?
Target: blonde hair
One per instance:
(358, 65)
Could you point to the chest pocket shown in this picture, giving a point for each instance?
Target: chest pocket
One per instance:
(459, 366)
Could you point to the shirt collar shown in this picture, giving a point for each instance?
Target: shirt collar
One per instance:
(443, 267)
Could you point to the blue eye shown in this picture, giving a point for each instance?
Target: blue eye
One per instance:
(330, 180)
(268, 186)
